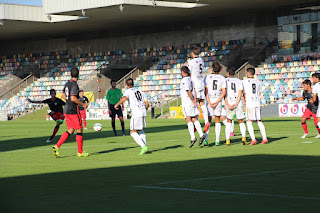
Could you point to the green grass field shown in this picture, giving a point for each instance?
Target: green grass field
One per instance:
(282, 176)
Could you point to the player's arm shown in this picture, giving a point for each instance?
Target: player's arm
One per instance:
(227, 103)
(147, 104)
(238, 98)
(298, 99)
(63, 96)
(223, 94)
(75, 100)
(191, 97)
(314, 97)
(35, 102)
(122, 100)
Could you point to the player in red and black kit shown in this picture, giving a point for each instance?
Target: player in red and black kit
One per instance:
(83, 99)
(55, 104)
(311, 110)
(72, 114)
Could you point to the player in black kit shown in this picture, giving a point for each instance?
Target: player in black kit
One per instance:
(85, 100)
(55, 104)
(311, 110)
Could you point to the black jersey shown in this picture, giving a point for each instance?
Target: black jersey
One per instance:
(84, 100)
(312, 107)
(56, 105)
(71, 88)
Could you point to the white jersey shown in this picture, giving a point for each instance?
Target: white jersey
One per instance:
(214, 84)
(316, 90)
(136, 100)
(185, 86)
(234, 86)
(196, 67)
(252, 88)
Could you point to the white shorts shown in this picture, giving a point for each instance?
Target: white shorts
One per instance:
(199, 87)
(217, 111)
(191, 111)
(224, 112)
(253, 113)
(238, 111)
(137, 123)
(318, 112)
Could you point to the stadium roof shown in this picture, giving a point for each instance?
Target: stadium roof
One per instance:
(57, 18)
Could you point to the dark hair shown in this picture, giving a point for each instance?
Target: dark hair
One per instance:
(112, 80)
(231, 71)
(195, 50)
(251, 70)
(216, 67)
(74, 72)
(185, 69)
(81, 90)
(129, 82)
(307, 81)
(316, 75)
(52, 90)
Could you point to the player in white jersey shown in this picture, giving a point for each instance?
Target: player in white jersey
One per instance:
(234, 104)
(196, 67)
(215, 91)
(251, 94)
(189, 106)
(138, 105)
(316, 93)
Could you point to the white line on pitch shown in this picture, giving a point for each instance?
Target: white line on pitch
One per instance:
(240, 175)
(230, 192)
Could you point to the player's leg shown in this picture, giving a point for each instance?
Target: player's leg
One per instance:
(190, 128)
(206, 141)
(217, 130)
(240, 116)
(141, 132)
(228, 130)
(306, 115)
(84, 117)
(205, 114)
(251, 117)
(232, 129)
(79, 139)
(55, 130)
(136, 124)
(261, 126)
(314, 115)
(120, 116)
(199, 130)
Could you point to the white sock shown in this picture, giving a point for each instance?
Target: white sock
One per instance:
(218, 130)
(198, 127)
(205, 113)
(137, 139)
(251, 130)
(243, 129)
(191, 130)
(228, 128)
(207, 134)
(263, 130)
(225, 122)
(232, 127)
(143, 136)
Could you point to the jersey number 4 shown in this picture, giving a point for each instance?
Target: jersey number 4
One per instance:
(254, 88)
(233, 87)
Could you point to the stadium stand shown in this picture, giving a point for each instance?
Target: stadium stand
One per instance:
(281, 81)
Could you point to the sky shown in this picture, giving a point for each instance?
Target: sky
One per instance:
(25, 2)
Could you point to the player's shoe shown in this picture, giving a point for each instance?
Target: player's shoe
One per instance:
(228, 142)
(318, 136)
(231, 134)
(55, 150)
(203, 137)
(206, 127)
(193, 142)
(49, 140)
(217, 143)
(115, 134)
(123, 134)
(244, 141)
(253, 142)
(206, 143)
(83, 154)
(144, 150)
(59, 121)
(265, 141)
(304, 135)
(85, 128)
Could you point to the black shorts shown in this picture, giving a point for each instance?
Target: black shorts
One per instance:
(115, 112)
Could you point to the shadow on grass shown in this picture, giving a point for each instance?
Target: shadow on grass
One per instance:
(113, 189)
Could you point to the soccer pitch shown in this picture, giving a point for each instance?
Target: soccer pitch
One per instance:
(282, 176)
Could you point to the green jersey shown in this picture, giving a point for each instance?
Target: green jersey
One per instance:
(114, 96)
